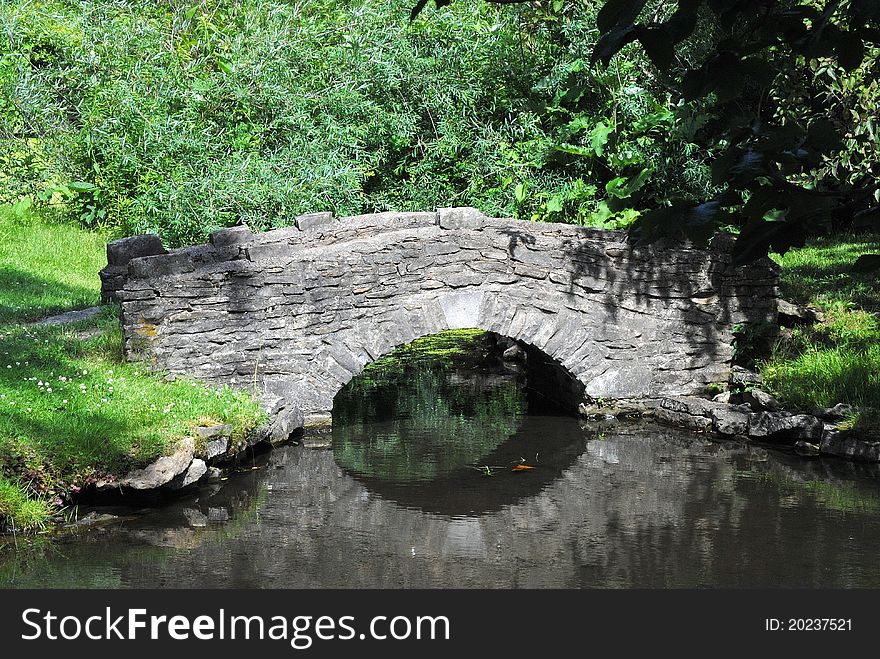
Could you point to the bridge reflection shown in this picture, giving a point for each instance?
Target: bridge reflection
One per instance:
(549, 444)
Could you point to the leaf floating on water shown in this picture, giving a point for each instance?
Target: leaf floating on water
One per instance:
(521, 467)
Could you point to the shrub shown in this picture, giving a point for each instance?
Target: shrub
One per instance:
(180, 119)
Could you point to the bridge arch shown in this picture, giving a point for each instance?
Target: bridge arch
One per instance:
(345, 353)
(300, 311)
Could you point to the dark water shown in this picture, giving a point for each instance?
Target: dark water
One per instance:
(405, 499)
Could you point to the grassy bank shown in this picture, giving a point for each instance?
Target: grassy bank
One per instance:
(71, 409)
(838, 359)
(46, 268)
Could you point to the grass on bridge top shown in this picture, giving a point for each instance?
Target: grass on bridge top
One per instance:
(71, 408)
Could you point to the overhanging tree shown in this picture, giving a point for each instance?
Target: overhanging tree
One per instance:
(755, 85)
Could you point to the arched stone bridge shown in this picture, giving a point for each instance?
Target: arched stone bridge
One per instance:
(300, 311)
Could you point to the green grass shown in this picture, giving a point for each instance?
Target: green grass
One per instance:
(819, 273)
(71, 409)
(24, 512)
(80, 407)
(46, 267)
(837, 360)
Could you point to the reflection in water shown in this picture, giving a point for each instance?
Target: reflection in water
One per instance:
(639, 507)
(437, 437)
(620, 505)
(550, 444)
(438, 427)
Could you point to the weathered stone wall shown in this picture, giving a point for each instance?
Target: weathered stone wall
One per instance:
(298, 312)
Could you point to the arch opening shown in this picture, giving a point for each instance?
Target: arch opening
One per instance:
(441, 422)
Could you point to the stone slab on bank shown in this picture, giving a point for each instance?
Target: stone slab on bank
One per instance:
(814, 435)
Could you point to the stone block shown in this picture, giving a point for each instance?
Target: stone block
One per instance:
(148, 267)
(626, 381)
(193, 474)
(837, 413)
(313, 221)
(121, 252)
(682, 419)
(164, 470)
(217, 447)
(774, 426)
(223, 238)
(460, 218)
(760, 401)
(728, 421)
(845, 444)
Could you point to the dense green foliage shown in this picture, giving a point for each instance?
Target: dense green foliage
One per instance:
(182, 118)
(789, 93)
(784, 90)
(71, 409)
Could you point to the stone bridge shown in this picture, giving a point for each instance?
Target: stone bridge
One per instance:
(298, 312)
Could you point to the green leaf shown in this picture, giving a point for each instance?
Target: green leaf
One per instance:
(576, 150)
(622, 187)
(224, 64)
(639, 180)
(22, 206)
(554, 204)
(519, 192)
(602, 213)
(615, 186)
(775, 215)
(662, 116)
(599, 137)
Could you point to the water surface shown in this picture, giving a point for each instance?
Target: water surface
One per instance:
(419, 491)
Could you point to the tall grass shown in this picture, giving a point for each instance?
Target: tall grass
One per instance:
(21, 512)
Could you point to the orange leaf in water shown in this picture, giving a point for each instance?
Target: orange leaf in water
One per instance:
(521, 468)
